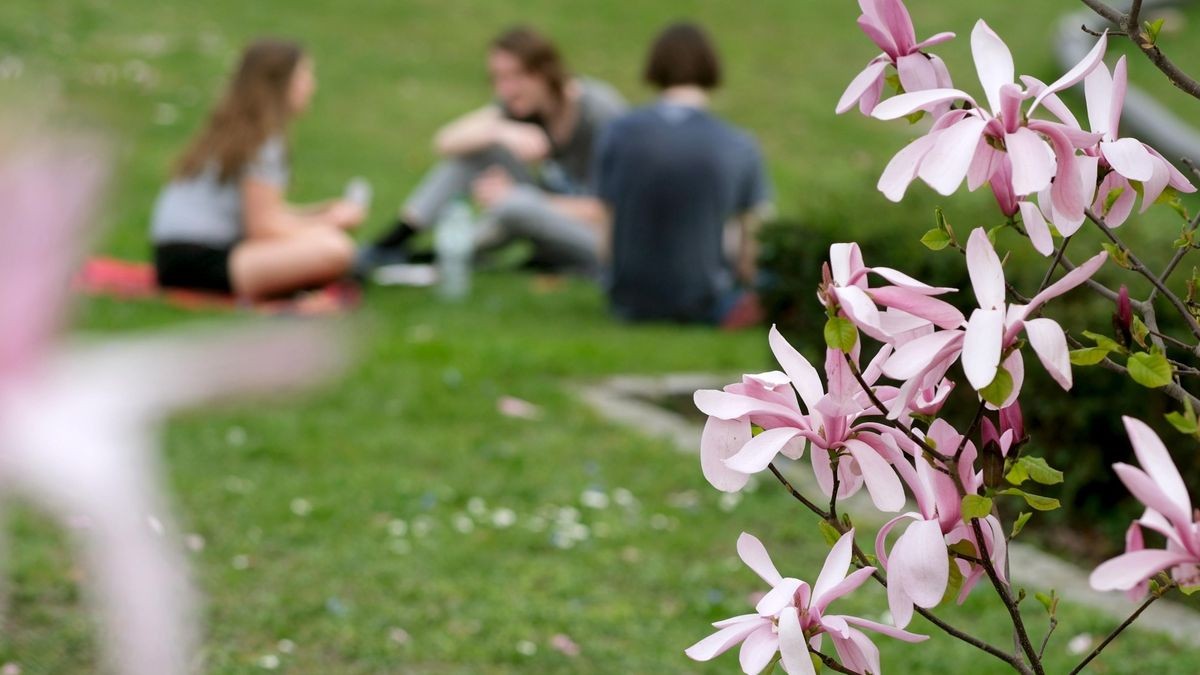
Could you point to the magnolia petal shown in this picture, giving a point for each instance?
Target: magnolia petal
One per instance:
(881, 480)
(1120, 83)
(983, 266)
(1157, 462)
(1097, 91)
(859, 309)
(720, 440)
(848, 585)
(834, 569)
(993, 62)
(908, 283)
(909, 103)
(920, 563)
(1032, 161)
(754, 554)
(982, 345)
(1050, 344)
(947, 163)
(884, 629)
(761, 450)
(933, 41)
(915, 356)
(783, 595)
(1122, 206)
(1092, 59)
(793, 647)
(803, 375)
(893, 16)
(902, 168)
(861, 84)
(1129, 157)
(1069, 281)
(916, 73)
(939, 312)
(758, 649)
(1035, 225)
(846, 264)
(719, 642)
(727, 406)
(1142, 486)
(1129, 569)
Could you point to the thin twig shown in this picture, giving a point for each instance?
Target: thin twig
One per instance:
(830, 663)
(1141, 269)
(1124, 624)
(796, 493)
(1002, 590)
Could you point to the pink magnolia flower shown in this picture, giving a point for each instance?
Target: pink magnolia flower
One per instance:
(910, 306)
(889, 25)
(963, 143)
(1158, 485)
(919, 565)
(1128, 158)
(729, 454)
(790, 619)
(993, 328)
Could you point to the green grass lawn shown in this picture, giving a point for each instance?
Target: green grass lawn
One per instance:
(395, 521)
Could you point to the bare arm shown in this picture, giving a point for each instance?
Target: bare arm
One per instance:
(267, 214)
(746, 264)
(486, 127)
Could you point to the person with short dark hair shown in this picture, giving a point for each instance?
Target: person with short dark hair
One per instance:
(674, 175)
(525, 159)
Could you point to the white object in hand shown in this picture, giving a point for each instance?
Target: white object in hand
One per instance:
(358, 192)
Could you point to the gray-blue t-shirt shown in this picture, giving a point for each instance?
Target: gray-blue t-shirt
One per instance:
(201, 209)
(673, 176)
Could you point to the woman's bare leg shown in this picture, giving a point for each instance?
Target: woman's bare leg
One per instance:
(262, 268)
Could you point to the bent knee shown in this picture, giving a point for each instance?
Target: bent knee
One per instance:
(335, 252)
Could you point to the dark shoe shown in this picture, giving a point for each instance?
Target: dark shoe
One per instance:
(372, 257)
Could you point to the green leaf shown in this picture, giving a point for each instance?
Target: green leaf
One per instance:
(975, 506)
(1149, 369)
(1036, 501)
(1152, 30)
(829, 533)
(991, 234)
(1050, 602)
(1170, 197)
(1088, 356)
(953, 585)
(1105, 342)
(913, 118)
(840, 334)
(1111, 199)
(998, 391)
(1188, 590)
(1035, 468)
(1020, 523)
(935, 240)
(1118, 256)
(1139, 331)
(1182, 423)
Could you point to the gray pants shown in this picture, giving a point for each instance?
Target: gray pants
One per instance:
(558, 239)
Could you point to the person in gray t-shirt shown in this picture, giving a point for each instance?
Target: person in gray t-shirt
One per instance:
(222, 223)
(525, 160)
(674, 176)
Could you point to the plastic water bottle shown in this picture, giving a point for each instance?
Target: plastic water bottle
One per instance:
(454, 242)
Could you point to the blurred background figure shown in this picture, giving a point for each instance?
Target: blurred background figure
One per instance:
(223, 223)
(673, 175)
(525, 159)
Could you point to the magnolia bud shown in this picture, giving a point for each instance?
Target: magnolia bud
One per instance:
(1012, 420)
(1123, 318)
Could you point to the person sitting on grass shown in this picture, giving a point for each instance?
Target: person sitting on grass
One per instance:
(222, 224)
(674, 175)
(526, 160)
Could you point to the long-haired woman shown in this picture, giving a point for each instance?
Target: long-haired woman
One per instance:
(223, 223)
